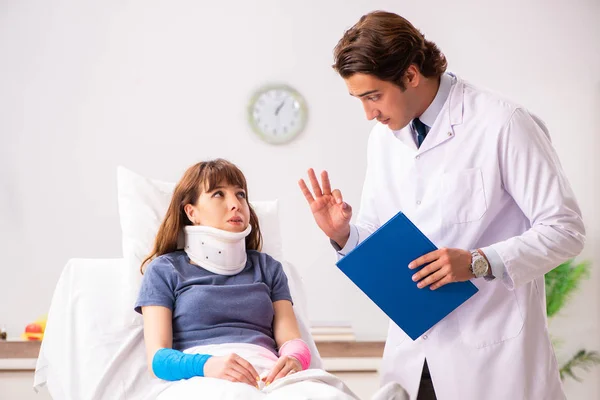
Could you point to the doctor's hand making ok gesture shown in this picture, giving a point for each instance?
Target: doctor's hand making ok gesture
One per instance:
(330, 211)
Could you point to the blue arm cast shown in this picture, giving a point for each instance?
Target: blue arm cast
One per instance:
(173, 365)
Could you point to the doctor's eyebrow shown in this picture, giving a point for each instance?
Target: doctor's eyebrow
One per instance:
(365, 93)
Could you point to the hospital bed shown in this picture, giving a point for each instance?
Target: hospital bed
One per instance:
(93, 348)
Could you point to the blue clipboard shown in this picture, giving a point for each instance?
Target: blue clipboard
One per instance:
(379, 267)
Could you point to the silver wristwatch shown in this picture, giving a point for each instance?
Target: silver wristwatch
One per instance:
(479, 265)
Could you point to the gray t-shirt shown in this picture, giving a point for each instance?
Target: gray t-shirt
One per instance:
(211, 309)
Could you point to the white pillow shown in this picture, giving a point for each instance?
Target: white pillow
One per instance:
(143, 203)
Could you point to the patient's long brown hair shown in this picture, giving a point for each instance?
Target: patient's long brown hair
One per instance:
(204, 176)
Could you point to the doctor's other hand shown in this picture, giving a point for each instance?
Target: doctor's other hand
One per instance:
(330, 211)
(285, 366)
(232, 368)
(446, 266)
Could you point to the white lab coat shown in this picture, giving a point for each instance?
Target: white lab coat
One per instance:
(486, 175)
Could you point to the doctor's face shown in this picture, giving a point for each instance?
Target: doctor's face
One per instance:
(384, 101)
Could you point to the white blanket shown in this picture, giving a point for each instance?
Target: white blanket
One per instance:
(309, 384)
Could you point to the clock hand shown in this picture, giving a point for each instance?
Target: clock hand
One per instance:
(279, 108)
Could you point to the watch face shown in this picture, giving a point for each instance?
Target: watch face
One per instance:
(479, 267)
(277, 113)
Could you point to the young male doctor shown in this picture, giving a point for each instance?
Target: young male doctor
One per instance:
(479, 176)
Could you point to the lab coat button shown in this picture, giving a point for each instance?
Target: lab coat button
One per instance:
(425, 337)
(418, 202)
(417, 157)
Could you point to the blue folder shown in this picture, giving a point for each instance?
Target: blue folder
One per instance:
(379, 267)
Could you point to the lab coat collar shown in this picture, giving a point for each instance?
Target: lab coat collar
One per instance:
(443, 129)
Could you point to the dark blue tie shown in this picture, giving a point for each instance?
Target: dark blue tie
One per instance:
(421, 129)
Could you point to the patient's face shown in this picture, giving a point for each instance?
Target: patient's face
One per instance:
(224, 208)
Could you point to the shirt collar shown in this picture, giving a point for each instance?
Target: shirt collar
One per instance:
(431, 113)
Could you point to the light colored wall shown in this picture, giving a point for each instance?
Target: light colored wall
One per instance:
(157, 86)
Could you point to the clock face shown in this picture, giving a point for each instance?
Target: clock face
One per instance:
(277, 113)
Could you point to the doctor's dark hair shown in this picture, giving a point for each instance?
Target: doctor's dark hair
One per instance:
(384, 45)
(202, 177)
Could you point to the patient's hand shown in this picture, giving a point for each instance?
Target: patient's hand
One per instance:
(232, 368)
(285, 366)
(331, 213)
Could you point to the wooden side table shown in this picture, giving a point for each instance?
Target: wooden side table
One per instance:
(16, 355)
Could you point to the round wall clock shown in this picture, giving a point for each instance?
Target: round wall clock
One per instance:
(277, 113)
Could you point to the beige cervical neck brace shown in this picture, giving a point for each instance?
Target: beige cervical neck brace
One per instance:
(218, 251)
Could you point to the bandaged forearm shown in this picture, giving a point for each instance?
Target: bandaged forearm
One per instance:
(298, 349)
(173, 365)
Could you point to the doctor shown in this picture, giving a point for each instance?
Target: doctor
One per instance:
(479, 176)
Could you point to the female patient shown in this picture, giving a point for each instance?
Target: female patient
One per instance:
(219, 289)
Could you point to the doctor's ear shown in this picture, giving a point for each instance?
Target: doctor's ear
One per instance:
(190, 211)
(412, 76)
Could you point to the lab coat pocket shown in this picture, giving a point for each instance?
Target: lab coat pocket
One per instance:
(490, 317)
(463, 196)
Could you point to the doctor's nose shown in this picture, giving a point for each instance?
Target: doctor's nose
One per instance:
(371, 113)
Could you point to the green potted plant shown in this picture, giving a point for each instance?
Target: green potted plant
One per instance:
(561, 283)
